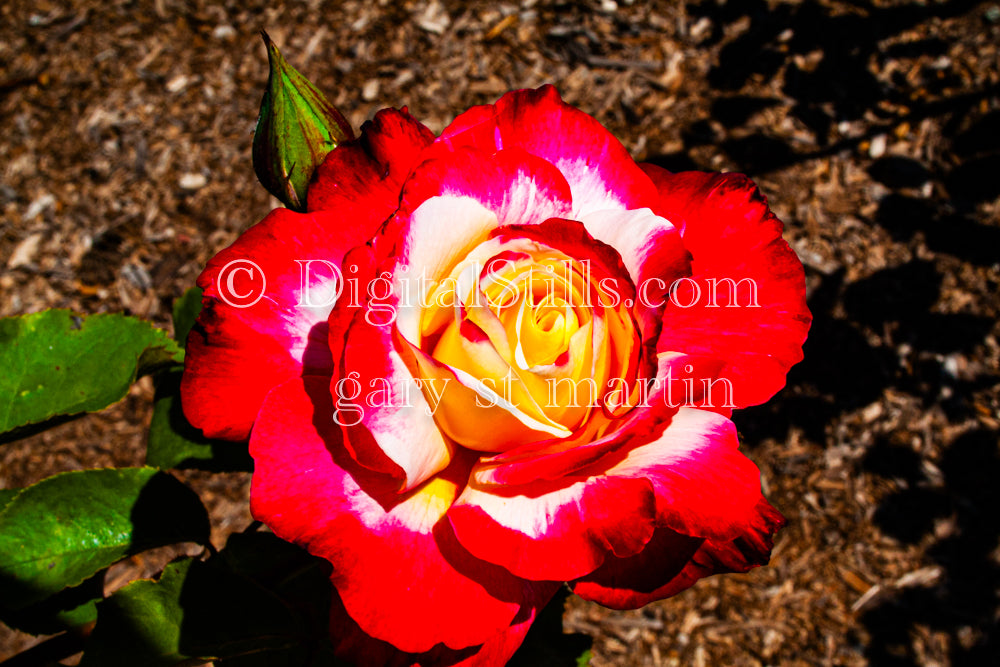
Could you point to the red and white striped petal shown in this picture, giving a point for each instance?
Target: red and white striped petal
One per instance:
(600, 172)
(555, 531)
(395, 432)
(680, 382)
(711, 516)
(704, 486)
(235, 355)
(652, 251)
(402, 575)
(423, 253)
(517, 186)
(573, 239)
(650, 246)
(745, 301)
(388, 421)
(672, 562)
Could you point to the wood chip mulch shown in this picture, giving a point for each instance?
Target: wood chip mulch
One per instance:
(873, 127)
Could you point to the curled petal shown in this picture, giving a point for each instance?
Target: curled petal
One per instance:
(517, 186)
(389, 422)
(477, 414)
(704, 486)
(236, 355)
(672, 562)
(600, 172)
(745, 300)
(629, 583)
(556, 531)
(387, 419)
(679, 381)
(351, 642)
(573, 239)
(423, 254)
(652, 251)
(711, 516)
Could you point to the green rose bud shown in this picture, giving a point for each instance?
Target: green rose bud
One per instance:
(296, 129)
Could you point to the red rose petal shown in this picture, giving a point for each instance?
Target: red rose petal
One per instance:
(362, 179)
(235, 355)
(726, 225)
(600, 172)
(557, 531)
(667, 565)
(388, 422)
(402, 575)
(620, 583)
(519, 187)
(650, 246)
(351, 642)
(653, 253)
(680, 381)
(704, 486)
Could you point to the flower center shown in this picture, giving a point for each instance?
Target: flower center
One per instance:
(530, 330)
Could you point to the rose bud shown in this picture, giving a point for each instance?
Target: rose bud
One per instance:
(296, 129)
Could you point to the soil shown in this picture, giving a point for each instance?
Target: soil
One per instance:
(872, 126)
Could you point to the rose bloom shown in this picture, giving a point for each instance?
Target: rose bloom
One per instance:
(526, 378)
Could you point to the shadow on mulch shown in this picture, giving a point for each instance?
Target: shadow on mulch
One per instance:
(842, 372)
(963, 604)
(787, 39)
(837, 87)
(843, 369)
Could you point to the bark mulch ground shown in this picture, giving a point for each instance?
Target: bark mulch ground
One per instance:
(872, 126)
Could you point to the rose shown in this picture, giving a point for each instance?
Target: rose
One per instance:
(526, 377)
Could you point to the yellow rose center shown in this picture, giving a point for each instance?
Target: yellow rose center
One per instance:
(546, 347)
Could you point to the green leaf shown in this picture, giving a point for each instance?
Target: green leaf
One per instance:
(67, 609)
(296, 129)
(206, 610)
(140, 624)
(186, 311)
(7, 495)
(68, 527)
(58, 363)
(175, 443)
